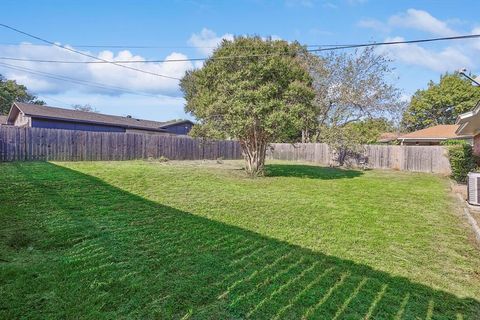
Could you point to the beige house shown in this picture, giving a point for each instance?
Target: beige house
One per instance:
(434, 135)
(469, 124)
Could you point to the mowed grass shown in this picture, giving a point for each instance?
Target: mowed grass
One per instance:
(194, 240)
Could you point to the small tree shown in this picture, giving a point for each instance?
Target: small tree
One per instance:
(462, 159)
(84, 108)
(260, 96)
(351, 88)
(11, 91)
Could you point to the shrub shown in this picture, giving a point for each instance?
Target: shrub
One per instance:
(163, 159)
(461, 157)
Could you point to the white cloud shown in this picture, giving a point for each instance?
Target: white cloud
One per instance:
(207, 40)
(448, 59)
(421, 20)
(373, 24)
(476, 42)
(154, 108)
(303, 3)
(105, 74)
(356, 2)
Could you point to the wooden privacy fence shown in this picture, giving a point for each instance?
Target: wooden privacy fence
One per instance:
(407, 158)
(24, 144)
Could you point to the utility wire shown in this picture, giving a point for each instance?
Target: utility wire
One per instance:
(79, 81)
(339, 47)
(85, 54)
(153, 47)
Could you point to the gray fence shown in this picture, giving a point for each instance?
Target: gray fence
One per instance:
(24, 144)
(406, 158)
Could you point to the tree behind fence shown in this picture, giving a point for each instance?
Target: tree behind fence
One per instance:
(25, 144)
(406, 158)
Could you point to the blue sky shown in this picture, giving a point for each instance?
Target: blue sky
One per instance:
(188, 29)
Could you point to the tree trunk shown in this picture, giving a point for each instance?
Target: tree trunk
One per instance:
(342, 155)
(254, 153)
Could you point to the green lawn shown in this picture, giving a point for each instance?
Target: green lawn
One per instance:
(199, 240)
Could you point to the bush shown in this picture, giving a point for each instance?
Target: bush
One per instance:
(461, 157)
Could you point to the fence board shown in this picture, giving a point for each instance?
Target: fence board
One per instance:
(407, 158)
(20, 144)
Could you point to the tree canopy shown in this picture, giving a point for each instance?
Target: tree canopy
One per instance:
(263, 95)
(84, 108)
(441, 102)
(355, 95)
(11, 91)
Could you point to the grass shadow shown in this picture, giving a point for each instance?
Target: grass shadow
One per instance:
(101, 252)
(310, 171)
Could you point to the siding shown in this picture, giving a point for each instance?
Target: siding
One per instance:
(21, 120)
(181, 128)
(476, 145)
(57, 124)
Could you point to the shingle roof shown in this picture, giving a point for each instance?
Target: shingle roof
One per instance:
(444, 131)
(3, 119)
(388, 136)
(91, 117)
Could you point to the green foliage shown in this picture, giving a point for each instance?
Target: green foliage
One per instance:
(352, 87)
(441, 102)
(142, 240)
(11, 91)
(84, 108)
(461, 158)
(350, 138)
(267, 97)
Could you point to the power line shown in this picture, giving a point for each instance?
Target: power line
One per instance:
(79, 81)
(375, 44)
(85, 54)
(338, 47)
(151, 46)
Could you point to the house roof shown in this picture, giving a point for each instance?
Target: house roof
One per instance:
(439, 132)
(3, 120)
(388, 136)
(54, 113)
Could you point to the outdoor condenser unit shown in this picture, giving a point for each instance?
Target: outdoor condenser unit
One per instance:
(473, 186)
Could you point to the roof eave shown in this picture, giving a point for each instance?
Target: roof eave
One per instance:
(96, 122)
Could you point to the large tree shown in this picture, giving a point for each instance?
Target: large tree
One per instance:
(351, 88)
(11, 91)
(441, 102)
(262, 95)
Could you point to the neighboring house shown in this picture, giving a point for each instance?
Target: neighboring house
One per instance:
(433, 136)
(469, 124)
(3, 120)
(388, 137)
(37, 116)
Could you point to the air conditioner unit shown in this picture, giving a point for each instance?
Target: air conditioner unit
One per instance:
(473, 186)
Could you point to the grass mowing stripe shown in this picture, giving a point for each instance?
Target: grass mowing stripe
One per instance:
(349, 299)
(254, 274)
(301, 293)
(281, 288)
(400, 312)
(313, 308)
(375, 302)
